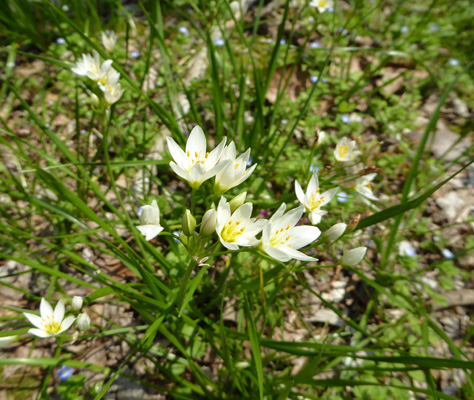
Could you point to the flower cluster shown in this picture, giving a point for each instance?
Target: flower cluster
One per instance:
(281, 236)
(104, 75)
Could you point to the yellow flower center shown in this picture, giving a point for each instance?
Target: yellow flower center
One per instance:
(323, 3)
(52, 326)
(231, 231)
(315, 201)
(94, 68)
(197, 159)
(280, 237)
(343, 150)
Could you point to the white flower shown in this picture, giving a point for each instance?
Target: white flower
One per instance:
(77, 303)
(83, 322)
(354, 256)
(196, 165)
(110, 78)
(238, 229)
(112, 92)
(322, 5)
(345, 150)
(335, 231)
(109, 40)
(363, 186)
(90, 66)
(51, 323)
(150, 221)
(313, 200)
(281, 239)
(235, 171)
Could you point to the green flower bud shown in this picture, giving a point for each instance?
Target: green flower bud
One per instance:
(189, 223)
(208, 224)
(237, 201)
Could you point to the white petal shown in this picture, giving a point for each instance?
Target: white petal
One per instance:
(149, 231)
(223, 213)
(59, 311)
(298, 255)
(328, 195)
(303, 235)
(39, 332)
(216, 154)
(34, 319)
(45, 309)
(299, 192)
(243, 212)
(196, 141)
(179, 156)
(291, 217)
(314, 217)
(277, 254)
(278, 213)
(66, 323)
(313, 185)
(180, 172)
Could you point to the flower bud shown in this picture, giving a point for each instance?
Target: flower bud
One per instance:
(335, 231)
(77, 303)
(7, 340)
(83, 322)
(189, 223)
(237, 201)
(208, 223)
(354, 256)
(95, 101)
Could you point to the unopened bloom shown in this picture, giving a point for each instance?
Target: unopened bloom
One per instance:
(363, 186)
(83, 322)
(7, 340)
(208, 223)
(77, 303)
(235, 172)
(109, 40)
(188, 223)
(196, 165)
(346, 150)
(237, 201)
(112, 92)
(281, 239)
(335, 231)
(322, 5)
(90, 66)
(238, 229)
(51, 323)
(354, 256)
(313, 200)
(150, 221)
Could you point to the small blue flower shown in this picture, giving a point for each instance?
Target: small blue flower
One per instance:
(82, 131)
(410, 251)
(134, 54)
(219, 42)
(176, 234)
(330, 9)
(325, 80)
(282, 42)
(404, 29)
(311, 20)
(313, 169)
(342, 197)
(64, 373)
(139, 212)
(249, 162)
(435, 238)
(345, 118)
(183, 30)
(284, 121)
(434, 28)
(454, 62)
(315, 45)
(342, 30)
(313, 79)
(447, 253)
(60, 40)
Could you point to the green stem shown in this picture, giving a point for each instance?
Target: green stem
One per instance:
(184, 282)
(193, 200)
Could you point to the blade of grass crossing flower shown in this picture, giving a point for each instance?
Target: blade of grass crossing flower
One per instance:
(255, 345)
(407, 205)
